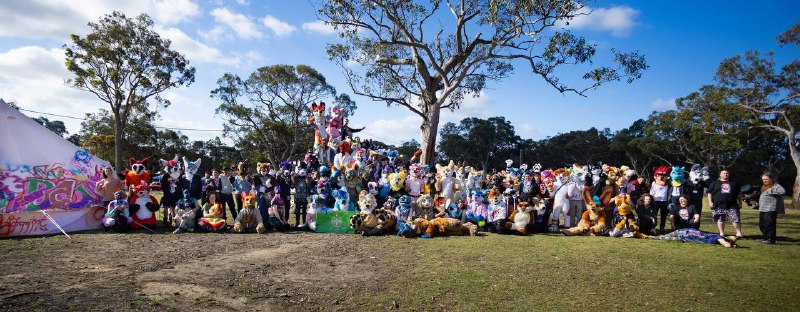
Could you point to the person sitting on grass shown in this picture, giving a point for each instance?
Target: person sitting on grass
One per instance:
(697, 236)
(644, 215)
(684, 215)
(212, 220)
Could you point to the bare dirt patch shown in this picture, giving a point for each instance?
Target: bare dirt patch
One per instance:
(164, 272)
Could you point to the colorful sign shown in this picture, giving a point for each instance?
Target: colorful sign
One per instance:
(25, 188)
(335, 222)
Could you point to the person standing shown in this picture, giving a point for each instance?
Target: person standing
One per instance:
(226, 192)
(109, 185)
(770, 204)
(695, 188)
(242, 185)
(725, 200)
(659, 189)
(302, 191)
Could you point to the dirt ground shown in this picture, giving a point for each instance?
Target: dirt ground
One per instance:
(212, 272)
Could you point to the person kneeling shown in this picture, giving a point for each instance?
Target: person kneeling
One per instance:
(118, 216)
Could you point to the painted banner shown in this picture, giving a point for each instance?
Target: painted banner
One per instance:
(36, 223)
(335, 222)
(25, 188)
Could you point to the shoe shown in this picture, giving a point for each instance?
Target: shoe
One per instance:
(766, 241)
(177, 231)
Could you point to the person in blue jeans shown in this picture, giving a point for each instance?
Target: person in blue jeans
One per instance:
(696, 236)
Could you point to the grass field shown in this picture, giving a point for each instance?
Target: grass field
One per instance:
(544, 273)
(295, 271)
(553, 272)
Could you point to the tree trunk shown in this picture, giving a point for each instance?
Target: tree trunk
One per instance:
(118, 144)
(429, 130)
(796, 187)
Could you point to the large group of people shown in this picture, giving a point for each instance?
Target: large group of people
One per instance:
(394, 194)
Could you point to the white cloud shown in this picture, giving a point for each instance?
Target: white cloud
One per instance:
(239, 23)
(215, 35)
(619, 20)
(278, 27)
(480, 107)
(173, 120)
(194, 50)
(243, 2)
(393, 131)
(173, 11)
(33, 77)
(319, 27)
(58, 19)
(663, 104)
(528, 130)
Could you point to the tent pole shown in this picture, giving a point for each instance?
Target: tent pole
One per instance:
(54, 222)
(144, 227)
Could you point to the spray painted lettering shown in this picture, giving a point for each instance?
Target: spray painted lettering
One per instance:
(25, 188)
(10, 224)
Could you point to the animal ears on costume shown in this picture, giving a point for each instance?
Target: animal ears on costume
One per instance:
(132, 161)
(169, 163)
(318, 107)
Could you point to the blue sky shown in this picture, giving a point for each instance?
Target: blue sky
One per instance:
(683, 42)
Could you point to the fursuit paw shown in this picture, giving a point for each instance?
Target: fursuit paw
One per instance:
(261, 229)
(237, 228)
(152, 207)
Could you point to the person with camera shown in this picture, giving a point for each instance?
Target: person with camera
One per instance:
(770, 204)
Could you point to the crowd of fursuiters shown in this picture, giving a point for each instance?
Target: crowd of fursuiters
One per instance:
(395, 195)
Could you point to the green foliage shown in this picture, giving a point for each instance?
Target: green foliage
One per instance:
(57, 126)
(267, 114)
(143, 139)
(408, 148)
(406, 62)
(125, 63)
(572, 147)
(768, 93)
(479, 142)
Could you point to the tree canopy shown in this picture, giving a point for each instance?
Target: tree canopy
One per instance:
(424, 68)
(125, 63)
(267, 114)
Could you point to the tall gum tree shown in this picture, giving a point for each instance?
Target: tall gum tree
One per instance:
(125, 63)
(269, 111)
(771, 94)
(412, 60)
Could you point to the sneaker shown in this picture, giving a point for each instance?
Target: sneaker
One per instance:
(766, 241)
(177, 231)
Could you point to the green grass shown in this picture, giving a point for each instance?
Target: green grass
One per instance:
(544, 272)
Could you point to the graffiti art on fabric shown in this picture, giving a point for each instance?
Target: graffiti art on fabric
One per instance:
(25, 187)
